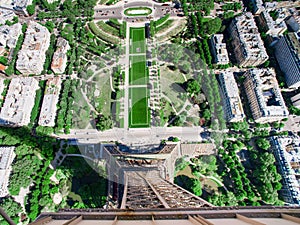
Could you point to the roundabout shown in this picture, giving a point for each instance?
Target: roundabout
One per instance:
(137, 11)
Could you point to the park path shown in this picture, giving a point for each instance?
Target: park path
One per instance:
(126, 82)
(176, 22)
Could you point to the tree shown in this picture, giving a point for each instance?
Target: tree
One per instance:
(214, 25)
(190, 184)
(104, 123)
(30, 9)
(50, 26)
(263, 143)
(12, 209)
(192, 87)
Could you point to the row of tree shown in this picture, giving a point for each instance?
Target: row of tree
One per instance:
(204, 6)
(203, 26)
(232, 6)
(64, 108)
(37, 103)
(235, 171)
(265, 175)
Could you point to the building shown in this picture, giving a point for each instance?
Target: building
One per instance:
(2, 86)
(51, 96)
(230, 96)
(32, 56)
(7, 156)
(287, 53)
(59, 60)
(219, 50)
(264, 96)
(258, 6)
(287, 154)
(247, 44)
(272, 27)
(296, 100)
(19, 101)
(293, 24)
(9, 35)
(16, 5)
(6, 15)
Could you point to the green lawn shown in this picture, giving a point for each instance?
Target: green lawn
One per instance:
(139, 114)
(138, 42)
(138, 74)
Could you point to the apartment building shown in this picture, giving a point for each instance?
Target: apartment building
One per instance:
(219, 49)
(9, 35)
(232, 104)
(258, 6)
(264, 96)
(287, 52)
(31, 57)
(272, 27)
(7, 156)
(59, 60)
(247, 44)
(287, 153)
(17, 5)
(51, 96)
(8, 40)
(19, 101)
(6, 15)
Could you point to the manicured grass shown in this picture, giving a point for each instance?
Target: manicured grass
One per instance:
(138, 42)
(139, 115)
(164, 25)
(130, 11)
(102, 34)
(108, 29)
(138, 72)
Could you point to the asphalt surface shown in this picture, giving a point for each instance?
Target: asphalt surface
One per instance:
(104, 12)
(142, 136)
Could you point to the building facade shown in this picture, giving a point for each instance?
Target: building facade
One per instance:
(258, 6)
(31, 57)
(264, 96)
(230, 96)
(7, 156)
(287, 52)
(247, 44)
(287, 153)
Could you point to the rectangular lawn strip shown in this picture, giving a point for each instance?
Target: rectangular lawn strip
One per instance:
(139, 114)
(138, 40)
(138, 74)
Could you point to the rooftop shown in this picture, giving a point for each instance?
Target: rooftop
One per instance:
(19, 101)
(287, 152)
(230, 91)
(267, 93)
(9, 35)
(48, 110)
(32, 55)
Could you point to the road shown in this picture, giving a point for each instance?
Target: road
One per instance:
(103, 12)
(132, 137)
